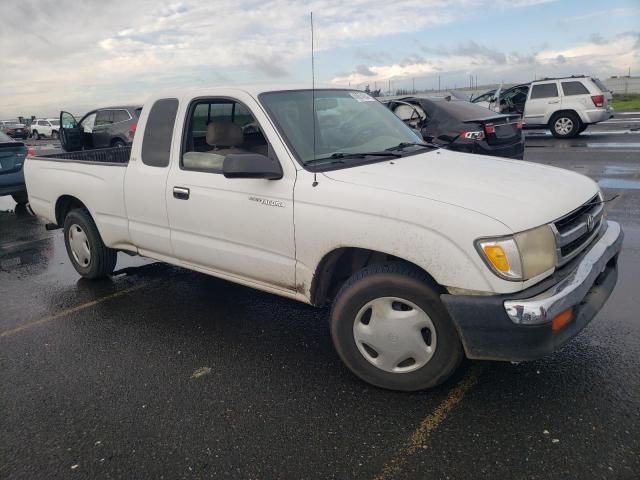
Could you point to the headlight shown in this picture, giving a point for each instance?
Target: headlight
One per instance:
(521, 256)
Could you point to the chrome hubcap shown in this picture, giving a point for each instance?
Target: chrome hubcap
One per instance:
(79, 244)
(564, 125)
(394, 335)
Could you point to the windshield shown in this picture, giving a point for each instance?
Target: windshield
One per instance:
(347, 122)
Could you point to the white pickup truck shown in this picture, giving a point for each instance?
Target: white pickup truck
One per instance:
(326, 197)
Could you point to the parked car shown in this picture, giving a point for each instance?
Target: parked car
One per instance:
(12, 157)
(566, 106)
(14, 129)
(102, 128)
(45, 127)
(426, 254)
(462, 126)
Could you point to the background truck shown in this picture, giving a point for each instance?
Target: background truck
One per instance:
(326, 197)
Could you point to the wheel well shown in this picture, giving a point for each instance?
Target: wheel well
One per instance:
(337, 266)
(563, 112)
(64, 205)
(117, 139)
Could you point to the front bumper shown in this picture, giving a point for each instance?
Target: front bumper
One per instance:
(518, 327)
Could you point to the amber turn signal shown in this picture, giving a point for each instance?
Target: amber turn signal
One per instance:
(562, 319)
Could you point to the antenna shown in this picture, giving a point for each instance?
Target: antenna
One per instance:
(313, 101)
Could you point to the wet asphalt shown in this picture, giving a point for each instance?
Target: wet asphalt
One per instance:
(161, 372)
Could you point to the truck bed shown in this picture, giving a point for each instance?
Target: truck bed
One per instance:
(114, 155)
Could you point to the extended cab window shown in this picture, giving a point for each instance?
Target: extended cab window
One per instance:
(544, 90)
(156, 144)
(574, 88)
(217, 128)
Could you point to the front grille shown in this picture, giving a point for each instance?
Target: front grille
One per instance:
(576, 230)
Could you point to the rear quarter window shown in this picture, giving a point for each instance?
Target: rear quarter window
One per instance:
(574, 88)
(156, 144)
(120, 116)
(544, 90)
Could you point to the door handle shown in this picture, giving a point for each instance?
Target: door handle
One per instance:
(554, 101)
(181, 193)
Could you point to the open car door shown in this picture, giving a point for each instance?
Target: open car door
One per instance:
(71, 134)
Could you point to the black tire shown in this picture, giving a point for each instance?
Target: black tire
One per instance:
(102, 260)
(54, 135)
(118, 143)
(21, 198)
(35, 135)
(565, 125)
(583, 127)
(409, 283)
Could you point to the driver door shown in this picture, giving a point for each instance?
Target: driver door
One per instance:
(240, 227)
(71, 134)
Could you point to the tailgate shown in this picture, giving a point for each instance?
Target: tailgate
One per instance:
(12, 157)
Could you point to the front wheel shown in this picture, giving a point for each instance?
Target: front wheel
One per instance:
(390, 328)
(35, 135)
(565, 125)
(118, 143)
(54, 135)
(87, 252)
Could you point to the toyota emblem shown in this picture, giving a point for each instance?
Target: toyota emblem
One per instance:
(590, 223)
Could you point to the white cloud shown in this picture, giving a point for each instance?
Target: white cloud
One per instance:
(76, 55)
(599, 56)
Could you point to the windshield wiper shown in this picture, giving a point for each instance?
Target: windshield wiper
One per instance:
(338, 156)
(341, 155)
(401, 146)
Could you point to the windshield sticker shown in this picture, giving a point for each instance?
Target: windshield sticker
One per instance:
(362, 97)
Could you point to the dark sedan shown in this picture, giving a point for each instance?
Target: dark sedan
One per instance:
(16, 130)
(12, 157)
(462, 126)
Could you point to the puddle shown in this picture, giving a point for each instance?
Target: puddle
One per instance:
(619, 183)
(620, 170)
(633, 145)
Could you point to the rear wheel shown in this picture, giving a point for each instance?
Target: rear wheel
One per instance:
(565, 125)
(20, 198)
(118, 143)
(391, 329)
(583, 127)
(87, 252)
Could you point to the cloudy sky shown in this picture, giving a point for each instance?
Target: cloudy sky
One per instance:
(80, 54)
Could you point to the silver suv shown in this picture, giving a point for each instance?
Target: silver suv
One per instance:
(567, 106)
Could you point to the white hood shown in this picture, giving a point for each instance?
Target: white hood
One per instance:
(521, 195)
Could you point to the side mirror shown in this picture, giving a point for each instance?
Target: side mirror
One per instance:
(251, 165)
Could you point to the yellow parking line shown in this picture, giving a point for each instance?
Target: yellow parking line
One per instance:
(69, 311)
(420, 436)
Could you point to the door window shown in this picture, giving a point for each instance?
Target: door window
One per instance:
(217, 128)
(574, 88)
(156, 144)
(120, 116)
(544, 90)
(104, 117)
(88, 123)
